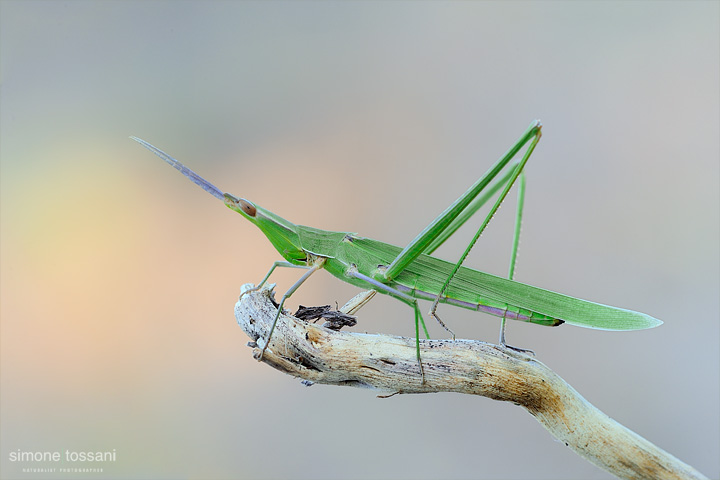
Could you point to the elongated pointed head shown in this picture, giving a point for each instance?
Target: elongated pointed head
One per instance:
(281, 233)
(194, 177)
(240, 205)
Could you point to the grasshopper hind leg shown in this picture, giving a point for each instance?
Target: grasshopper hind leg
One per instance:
(434, 315)
(513, 261)
(503, 344)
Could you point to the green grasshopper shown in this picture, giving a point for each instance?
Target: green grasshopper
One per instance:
(411, 273)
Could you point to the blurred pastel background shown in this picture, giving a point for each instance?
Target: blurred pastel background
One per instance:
(119, 277)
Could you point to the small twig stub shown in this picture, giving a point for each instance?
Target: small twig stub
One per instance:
(334, 319)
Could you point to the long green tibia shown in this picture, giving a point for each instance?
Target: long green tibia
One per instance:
(493, 210)
(515, 244)
(518, 226)
(474, 206)
(436, 228)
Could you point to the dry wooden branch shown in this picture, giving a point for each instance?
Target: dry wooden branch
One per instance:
(388, 363)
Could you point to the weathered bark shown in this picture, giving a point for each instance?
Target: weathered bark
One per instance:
(388, 363)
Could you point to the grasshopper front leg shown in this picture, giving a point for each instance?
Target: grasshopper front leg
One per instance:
(316, 265)
(279, 263)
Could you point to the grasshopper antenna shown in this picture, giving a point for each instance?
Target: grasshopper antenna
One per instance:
(194, 177)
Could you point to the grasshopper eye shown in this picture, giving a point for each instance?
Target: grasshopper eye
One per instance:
(247, 207)
(233, 202)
